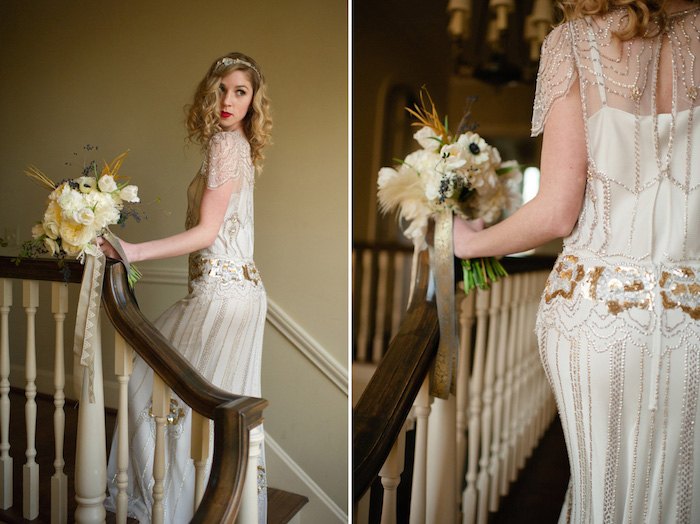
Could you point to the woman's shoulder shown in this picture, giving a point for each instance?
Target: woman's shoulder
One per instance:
(229, 141)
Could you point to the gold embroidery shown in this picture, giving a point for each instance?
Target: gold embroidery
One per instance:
(563, 284)
(681, 289)
(620, 288)
(225, 270)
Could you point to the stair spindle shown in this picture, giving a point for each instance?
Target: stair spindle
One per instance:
(59, 480)
(200, 453)
(5, 458)
(421, 408)
(123, 366)
(160, 408)
(30, 499)
(391, 477)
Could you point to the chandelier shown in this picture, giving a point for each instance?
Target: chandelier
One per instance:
(498, 41)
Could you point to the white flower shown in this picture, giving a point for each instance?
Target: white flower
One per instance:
(86, 183)
(476, 148)
(70, 201)
(71, 249)
(52, 220)
(453, 155)
(37, 231)
(129, 194)
(51, 245)
(84, 216)
(75, 234)
(426, 138)
(107, 184)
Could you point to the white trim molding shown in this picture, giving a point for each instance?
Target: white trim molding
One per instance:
(295, 468)
(311, 349)
(281, 321)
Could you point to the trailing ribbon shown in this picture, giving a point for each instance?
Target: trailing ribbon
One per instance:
(85, 342)
(444, 374)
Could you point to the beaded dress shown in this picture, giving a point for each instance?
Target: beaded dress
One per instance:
(619, 321)
(217, 327)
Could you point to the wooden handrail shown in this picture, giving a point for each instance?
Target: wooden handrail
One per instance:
(384, 405)
(387, 400)
(234, 415)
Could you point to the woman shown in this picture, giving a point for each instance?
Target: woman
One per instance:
(219, 325)
(619, 322)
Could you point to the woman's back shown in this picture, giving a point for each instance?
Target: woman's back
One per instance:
(640, 102)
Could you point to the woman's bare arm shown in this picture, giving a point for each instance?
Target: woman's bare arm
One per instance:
(555, 209)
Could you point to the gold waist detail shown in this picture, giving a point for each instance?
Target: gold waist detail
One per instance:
(626, 286)
(225, 270)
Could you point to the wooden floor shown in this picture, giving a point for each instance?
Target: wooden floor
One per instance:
(282, 505)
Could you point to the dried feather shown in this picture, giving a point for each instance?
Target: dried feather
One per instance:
(40, 178)
(113, 168)
(428, 117)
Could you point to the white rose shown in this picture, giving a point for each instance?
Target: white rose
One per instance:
(86, 183)
(71, 249)
(37, 231)
(84, 216)
(107, 184)
(70, 201)
(75, 234)
(423, 160)
(432, 181)
(426, 138)
(52, 220)
(51, 245)
(129, 194)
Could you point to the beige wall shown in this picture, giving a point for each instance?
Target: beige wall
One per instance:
(117, 75)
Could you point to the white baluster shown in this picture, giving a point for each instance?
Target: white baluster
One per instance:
(442, 487)
(365, 306)
(380, 308)
(59, 481)
(421, 408)
(30, 498)
(469, 498)
(391, 477)
(91, 455)
(466, 323)
(160, 409)
(521, 374)
(512, 383)
(123, 366)
(5, 458)
(200, 453)
(487, 402)
(249, 503)
(498, 416)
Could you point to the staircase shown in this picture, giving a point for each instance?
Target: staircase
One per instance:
(283, 507)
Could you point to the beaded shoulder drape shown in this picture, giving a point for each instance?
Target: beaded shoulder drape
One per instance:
(619, 322)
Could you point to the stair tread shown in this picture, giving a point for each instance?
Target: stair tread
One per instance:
(283, 505)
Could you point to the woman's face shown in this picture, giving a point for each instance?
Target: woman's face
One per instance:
(235, 98)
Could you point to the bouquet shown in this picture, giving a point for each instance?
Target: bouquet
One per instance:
(80, 210)
(461, 173)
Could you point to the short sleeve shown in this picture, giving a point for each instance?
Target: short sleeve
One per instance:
(556, 75)
(227, 157)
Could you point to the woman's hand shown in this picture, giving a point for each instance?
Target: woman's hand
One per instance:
(462, 233)
(109, 251)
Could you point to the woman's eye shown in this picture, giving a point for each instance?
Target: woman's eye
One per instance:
(241, 92)
(222, 88)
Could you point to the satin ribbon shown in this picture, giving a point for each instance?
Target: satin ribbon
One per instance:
(443, 378)
(86, 342)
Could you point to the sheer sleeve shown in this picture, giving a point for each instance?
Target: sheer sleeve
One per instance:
(227, 157)
(556, 75)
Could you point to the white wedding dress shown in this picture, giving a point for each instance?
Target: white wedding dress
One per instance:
(217, 327)
(619, 322)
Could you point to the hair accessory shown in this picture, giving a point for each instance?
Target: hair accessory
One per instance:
(227, 61)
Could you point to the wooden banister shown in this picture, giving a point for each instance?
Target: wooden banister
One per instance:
(234, 415)
(387, 400)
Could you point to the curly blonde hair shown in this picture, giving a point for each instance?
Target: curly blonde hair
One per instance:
(641, 14)
(202, 120)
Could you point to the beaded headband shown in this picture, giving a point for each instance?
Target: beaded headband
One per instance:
(227, 61)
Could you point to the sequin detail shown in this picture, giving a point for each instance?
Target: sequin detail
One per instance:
(680, 288)
(227, 271)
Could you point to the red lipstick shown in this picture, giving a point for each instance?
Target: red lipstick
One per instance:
(224, 114)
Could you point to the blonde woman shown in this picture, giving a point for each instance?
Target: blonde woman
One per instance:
(219, 325)
(619, 323)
